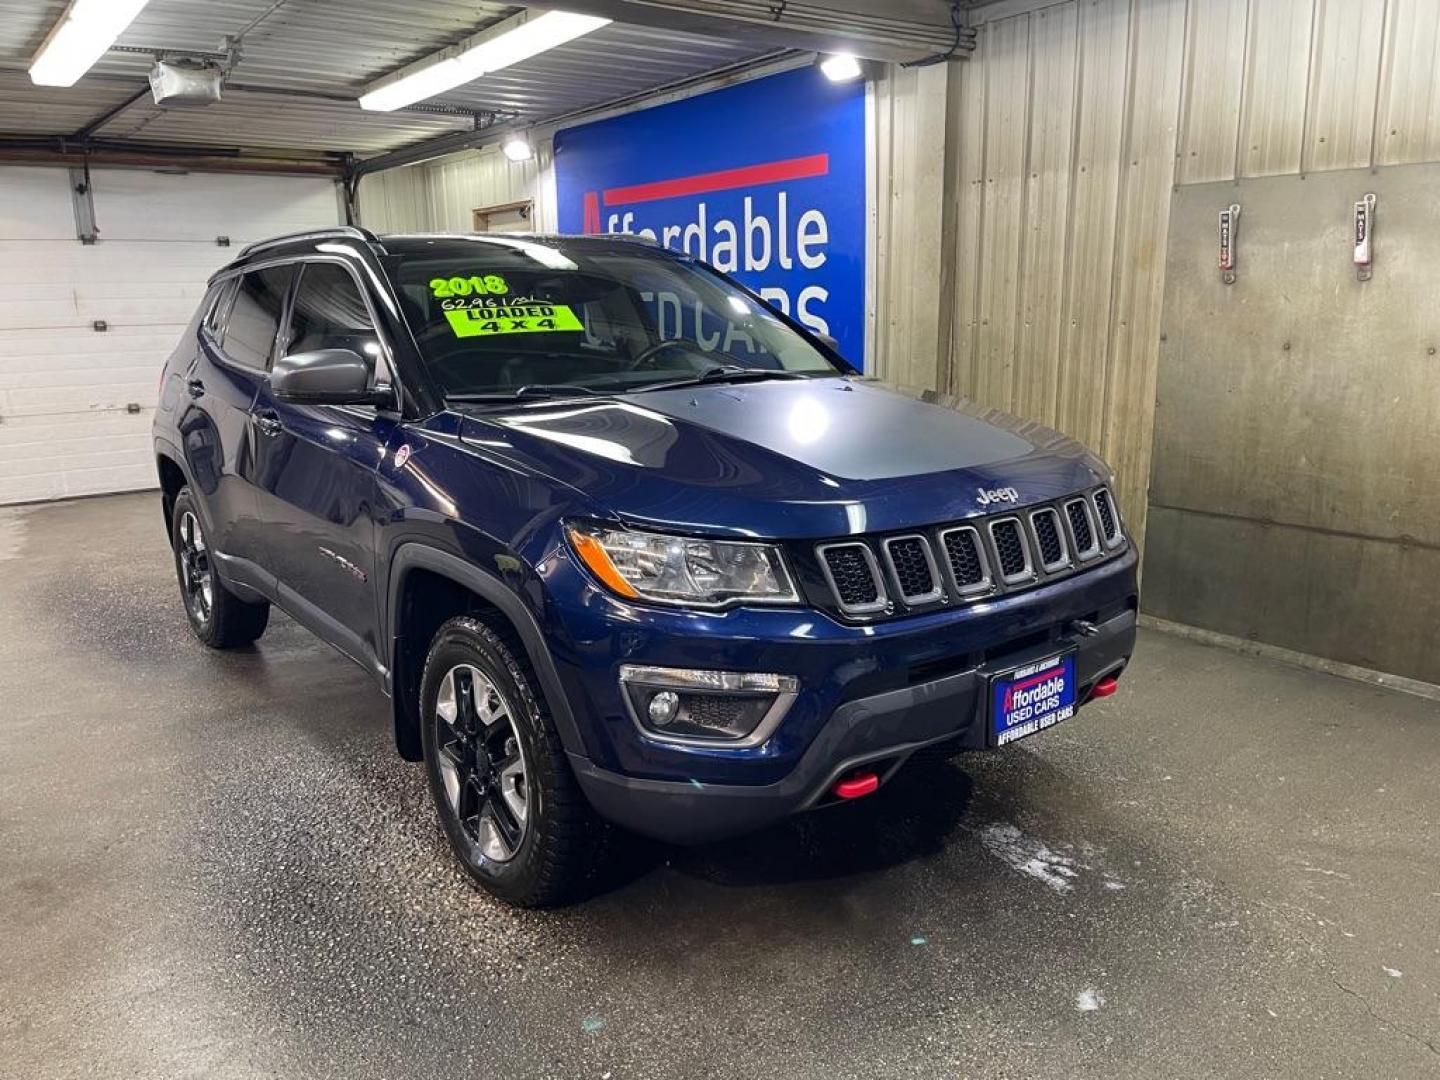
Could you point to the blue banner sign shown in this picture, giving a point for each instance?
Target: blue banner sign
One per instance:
(764, 180)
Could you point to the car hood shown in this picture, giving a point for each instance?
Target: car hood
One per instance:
(796, 459)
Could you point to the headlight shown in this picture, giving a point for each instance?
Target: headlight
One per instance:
(681, 570)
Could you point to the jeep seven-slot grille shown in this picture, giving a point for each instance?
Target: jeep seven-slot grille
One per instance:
(910, 559)
(1080, 526)
(852, 572)
(873, 577)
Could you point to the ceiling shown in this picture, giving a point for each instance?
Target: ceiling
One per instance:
(303, 62)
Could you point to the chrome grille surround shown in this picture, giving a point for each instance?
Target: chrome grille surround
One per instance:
(881, 601)
(1083, 546)
(927, 596)
(1003, 527)
(981, 585)
(1108, 517)
(1052, 516)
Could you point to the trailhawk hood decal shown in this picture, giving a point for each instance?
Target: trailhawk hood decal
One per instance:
(787, 458)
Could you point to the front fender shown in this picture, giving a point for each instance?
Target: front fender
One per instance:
(494, 590)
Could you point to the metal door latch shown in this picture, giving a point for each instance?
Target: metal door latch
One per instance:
(1229, 226)
(1364, 234)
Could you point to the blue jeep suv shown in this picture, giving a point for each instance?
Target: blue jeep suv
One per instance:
(622, 544)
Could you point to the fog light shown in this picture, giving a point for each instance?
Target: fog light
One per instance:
(663, 707)
(712, 708)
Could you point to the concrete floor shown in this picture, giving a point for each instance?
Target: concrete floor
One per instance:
(214, 865)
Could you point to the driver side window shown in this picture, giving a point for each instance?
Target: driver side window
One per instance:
(329, 312)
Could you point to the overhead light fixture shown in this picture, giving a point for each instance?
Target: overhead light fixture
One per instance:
(508, 42)
(517, 148)
(841, 67)
(82, 36)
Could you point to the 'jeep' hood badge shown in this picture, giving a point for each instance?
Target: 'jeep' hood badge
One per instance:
(997, 495)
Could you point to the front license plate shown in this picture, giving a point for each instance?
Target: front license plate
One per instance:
(1032, 698)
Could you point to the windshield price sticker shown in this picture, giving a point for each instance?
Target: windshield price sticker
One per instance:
(516, 319)
(473, 285)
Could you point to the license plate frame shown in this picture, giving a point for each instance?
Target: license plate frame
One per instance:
(1021, 704)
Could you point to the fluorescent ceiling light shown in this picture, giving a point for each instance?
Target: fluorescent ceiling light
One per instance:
(842, 67)
(517, 148)
(509, 42)
(82, 36)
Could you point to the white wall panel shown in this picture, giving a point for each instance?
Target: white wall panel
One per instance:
(461, 184)
(396, 200)
(66, 389)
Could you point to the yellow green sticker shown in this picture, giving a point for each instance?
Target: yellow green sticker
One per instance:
(519, 319)
(468, 285)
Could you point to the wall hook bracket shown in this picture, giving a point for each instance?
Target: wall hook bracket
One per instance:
(1364, 236)
(1229, 229)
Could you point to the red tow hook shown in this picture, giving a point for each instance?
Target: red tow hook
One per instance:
(1105, 687)
(856, 785)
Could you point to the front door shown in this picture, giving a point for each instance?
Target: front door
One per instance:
(315, 474)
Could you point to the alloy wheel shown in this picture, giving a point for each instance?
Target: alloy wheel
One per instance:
(482, 763)
(196, 577)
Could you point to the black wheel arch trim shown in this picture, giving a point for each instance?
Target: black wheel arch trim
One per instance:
(416, 555)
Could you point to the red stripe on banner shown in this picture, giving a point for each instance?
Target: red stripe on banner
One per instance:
(1036, 680)
(771, 172)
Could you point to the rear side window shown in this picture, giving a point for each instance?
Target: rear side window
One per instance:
(217, 306)
(330, 313)
(255, 316)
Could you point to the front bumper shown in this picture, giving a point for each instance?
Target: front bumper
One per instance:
(872, 696)
(880, 731)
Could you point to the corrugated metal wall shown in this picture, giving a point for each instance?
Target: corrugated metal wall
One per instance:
(907, 117)
(1063, 130)
(1064, 137)
(443, 195)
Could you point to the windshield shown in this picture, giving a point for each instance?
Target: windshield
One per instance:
(497, 316)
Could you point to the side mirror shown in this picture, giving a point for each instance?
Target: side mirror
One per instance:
(826, 340)
(326, 377)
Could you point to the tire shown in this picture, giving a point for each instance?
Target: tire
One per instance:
(219, 618)
(532, 841)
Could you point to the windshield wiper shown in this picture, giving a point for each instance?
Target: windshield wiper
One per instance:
(721, 373)
(529, 390)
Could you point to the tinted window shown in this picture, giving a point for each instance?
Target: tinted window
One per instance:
(255, 316)
(218, 305)
(329, 313)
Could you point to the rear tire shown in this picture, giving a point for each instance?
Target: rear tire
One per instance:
(508, 803)
(219, 618)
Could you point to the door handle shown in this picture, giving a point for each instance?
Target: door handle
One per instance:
(268, 422)
(195, 388)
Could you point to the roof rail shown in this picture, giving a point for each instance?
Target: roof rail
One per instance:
(351, 232)
(635, 238)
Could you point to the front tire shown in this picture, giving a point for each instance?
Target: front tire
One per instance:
(218, 617)
(508, 803)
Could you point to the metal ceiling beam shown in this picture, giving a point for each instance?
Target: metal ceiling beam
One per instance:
(120, 154)
(901, 31)
(109, 114)
(469, 140)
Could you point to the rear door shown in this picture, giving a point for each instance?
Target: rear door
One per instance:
(315, 470)
(231, 361)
